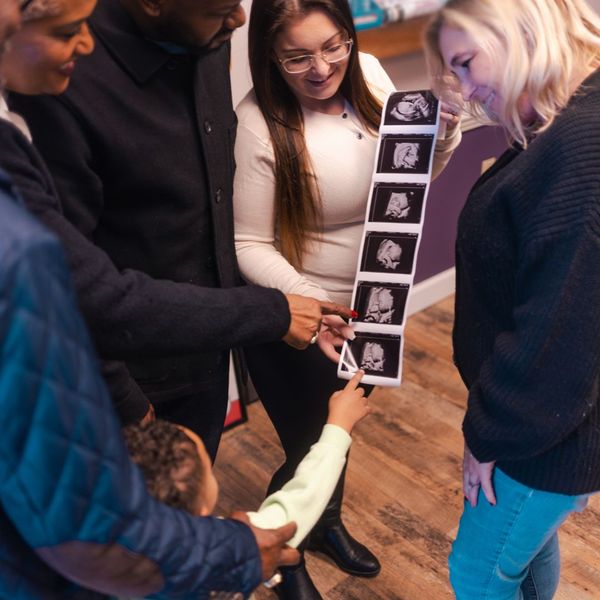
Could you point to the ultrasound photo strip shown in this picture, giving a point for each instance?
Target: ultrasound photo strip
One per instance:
(391, 237)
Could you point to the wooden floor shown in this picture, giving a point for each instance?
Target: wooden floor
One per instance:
(402, 493)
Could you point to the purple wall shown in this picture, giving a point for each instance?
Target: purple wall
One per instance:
(447, 196)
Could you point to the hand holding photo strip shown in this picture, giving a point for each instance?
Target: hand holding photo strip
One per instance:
(391, 237)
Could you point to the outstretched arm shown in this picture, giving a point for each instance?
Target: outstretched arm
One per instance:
(66, 483)
(304, 498)
(130, 314)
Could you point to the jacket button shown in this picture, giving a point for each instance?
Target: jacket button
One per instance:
(210, 263)
(219, 195)
(207, 126)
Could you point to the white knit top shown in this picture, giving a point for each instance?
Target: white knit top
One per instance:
(342, 154)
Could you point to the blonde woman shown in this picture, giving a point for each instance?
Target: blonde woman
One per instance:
(527, 328)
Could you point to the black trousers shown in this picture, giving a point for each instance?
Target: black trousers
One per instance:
(294, 387)
(202, 411)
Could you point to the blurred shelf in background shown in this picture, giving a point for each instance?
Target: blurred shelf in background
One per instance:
(393, 39)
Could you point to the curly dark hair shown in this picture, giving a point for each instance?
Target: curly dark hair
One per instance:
(169, 460)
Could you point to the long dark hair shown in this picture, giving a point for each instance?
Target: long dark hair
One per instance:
(297, 199)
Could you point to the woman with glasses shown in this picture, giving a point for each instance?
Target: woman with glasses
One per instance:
(305, 151)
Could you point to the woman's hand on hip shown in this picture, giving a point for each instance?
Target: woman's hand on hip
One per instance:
(477, 475)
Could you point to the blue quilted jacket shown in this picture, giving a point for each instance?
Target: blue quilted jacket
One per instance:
(74, 511)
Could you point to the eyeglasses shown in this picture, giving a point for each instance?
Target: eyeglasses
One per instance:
(331, 55)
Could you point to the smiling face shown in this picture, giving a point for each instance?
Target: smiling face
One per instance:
(314, 33)
(478, 75)
(42, 54)
(478, 79)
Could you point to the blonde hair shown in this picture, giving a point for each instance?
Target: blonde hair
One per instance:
(537, 46)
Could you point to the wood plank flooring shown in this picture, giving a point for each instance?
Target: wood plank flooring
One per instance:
(403, 484)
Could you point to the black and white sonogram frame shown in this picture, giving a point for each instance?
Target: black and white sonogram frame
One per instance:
(405, 154)
(411, 108)
(392, 232)
(389, 252)
(377, 354)
(381, 303)
(397, 202)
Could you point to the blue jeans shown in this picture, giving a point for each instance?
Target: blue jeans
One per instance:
(510, 551)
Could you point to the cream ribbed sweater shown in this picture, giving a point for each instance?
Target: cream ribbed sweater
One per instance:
(342, 152)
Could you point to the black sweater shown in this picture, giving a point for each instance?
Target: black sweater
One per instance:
(141, 150)
(527, 326)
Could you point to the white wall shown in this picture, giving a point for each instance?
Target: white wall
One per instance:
(241, 81)
(407, 72)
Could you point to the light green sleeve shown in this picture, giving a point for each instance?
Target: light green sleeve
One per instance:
(304, 498)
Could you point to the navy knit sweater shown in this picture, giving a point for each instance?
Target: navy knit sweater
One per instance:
(527, 325)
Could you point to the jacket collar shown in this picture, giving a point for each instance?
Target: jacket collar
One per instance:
(17, 120)
(140, 57)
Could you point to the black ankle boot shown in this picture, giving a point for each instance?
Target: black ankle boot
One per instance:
(297, 584)
(347, 553)
(330, 537)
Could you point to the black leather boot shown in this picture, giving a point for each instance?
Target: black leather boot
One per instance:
(347, 553)
(297, 584)
(331, 538)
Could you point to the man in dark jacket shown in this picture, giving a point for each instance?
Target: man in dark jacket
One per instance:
(74, 510)
(141, 149)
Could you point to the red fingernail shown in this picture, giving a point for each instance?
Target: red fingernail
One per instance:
(354, 314)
